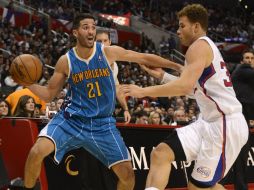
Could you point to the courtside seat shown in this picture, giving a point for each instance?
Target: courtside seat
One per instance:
(18, 136)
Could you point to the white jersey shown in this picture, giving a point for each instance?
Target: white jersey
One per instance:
(214, 92)
(115, 72)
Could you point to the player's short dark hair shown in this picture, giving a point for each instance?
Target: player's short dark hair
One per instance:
(79, 17)
(195, 13)
(102, 31)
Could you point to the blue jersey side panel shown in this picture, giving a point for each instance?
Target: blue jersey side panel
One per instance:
(92, 87)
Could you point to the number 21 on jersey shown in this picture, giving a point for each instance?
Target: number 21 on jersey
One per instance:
(93, 89)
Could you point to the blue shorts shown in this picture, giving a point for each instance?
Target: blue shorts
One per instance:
(98, 136)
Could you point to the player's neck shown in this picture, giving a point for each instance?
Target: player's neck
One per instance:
(83, 52)
(196, 37)
(201, 34)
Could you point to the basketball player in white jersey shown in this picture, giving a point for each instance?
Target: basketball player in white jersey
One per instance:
(217, 137)
(104, 37)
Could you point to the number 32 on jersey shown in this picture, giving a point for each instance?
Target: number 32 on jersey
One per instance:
(227, 82)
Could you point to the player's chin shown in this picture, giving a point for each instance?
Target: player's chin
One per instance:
(90, 44)
(87, 44)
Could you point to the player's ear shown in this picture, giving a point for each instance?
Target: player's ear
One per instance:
(196, 27)
(75, 33)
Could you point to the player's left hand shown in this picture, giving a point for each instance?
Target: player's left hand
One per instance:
(127, 116)
(132, 90)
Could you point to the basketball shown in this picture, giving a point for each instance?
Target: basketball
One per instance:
(26, 69)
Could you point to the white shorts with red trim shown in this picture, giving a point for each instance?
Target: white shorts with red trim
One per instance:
(213, 145)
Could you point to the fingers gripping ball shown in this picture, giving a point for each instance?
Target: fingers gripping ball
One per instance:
(26, 69)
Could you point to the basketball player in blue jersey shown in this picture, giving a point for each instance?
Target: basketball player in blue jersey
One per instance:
(216, 138)
(103, 36)
(86, 119)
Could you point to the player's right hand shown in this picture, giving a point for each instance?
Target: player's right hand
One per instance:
(20, 82)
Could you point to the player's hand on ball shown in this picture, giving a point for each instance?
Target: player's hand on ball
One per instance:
(16, 80)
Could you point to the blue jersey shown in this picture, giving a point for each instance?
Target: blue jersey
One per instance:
(85, 119)
(92, 91)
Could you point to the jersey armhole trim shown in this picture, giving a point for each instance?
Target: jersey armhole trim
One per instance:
(210, 43)
(69, 64)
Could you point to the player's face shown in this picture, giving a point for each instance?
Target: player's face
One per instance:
(186, 31)
(85, 34)
(103, 38)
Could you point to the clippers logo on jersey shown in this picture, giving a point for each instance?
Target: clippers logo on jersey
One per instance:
(204, 171)
(90, 74)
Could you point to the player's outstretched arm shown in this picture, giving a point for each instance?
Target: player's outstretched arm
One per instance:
(116, 53)
(198, 57)
(163, 76)
(159, 73)
(55, 83)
